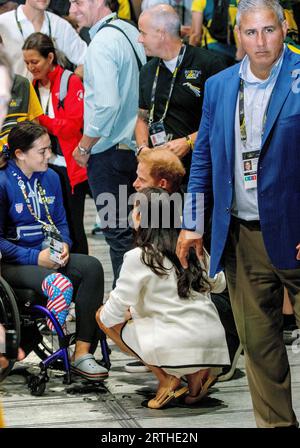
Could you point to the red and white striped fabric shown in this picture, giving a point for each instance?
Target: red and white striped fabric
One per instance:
(59, 290)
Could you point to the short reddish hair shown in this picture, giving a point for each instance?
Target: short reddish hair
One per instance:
(164, 164)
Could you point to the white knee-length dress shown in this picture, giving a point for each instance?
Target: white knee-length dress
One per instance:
(165, 330)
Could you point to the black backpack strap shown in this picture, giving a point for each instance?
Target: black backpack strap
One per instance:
(139, 63)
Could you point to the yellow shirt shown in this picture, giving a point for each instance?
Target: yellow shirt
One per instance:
(293, 48)
(34, 111)
(124, 9)
(290, 20)
(206, 7)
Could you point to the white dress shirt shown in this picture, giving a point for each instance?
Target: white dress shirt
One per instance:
(257, 94)
(65, 37)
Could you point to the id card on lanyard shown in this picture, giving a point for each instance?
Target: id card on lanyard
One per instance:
(157, 134)
(55, 243)
(250, 156)
(250, 162)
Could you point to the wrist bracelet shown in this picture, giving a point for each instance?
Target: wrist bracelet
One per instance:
(190, 142)
(83, 151)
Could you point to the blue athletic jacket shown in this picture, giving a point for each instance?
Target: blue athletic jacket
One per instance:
(21, 235)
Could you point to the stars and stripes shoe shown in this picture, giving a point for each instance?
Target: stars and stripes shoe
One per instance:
(59, 290)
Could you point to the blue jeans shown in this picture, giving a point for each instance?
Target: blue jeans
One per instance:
(106, 172)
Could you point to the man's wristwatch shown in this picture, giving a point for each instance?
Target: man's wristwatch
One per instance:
(83, 151)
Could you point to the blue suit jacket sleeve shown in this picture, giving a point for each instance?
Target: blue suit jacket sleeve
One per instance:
(201, 171)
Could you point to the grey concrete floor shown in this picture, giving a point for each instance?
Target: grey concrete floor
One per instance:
(118, 403)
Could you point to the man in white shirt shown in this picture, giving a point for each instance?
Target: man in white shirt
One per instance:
(17, 25)
(111, 76)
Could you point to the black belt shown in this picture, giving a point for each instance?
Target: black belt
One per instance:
(252, 225)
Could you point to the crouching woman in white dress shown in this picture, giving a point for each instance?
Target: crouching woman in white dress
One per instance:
(161, 313)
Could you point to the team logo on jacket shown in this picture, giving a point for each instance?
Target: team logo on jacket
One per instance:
(192, 74)
(49, 199)
(15, 102)
(80, 95)
(19, 207)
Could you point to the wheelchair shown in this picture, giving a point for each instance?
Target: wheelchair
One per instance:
(18, 313)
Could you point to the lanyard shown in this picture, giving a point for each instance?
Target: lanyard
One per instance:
(37, 91)
(20, 26)
(46, 112)
(22, 186)
(243, 130)
(179, 60)
(47, 105)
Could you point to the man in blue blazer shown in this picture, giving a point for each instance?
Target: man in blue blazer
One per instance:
(246, 162)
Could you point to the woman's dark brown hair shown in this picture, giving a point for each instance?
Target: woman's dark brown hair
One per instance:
(23, 135)
(157, 237)
(41, 43)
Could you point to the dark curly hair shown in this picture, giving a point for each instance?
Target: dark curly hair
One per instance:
(157, 237)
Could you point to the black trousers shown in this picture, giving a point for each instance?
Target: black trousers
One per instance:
(74, 206)
(86, 274)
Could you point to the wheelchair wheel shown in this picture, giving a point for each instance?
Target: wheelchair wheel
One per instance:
(50, 342)
(9, 318)
(37, 385)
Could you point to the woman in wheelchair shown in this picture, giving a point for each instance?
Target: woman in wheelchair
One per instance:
(35, 241)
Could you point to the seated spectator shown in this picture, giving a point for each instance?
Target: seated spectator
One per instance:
(31, 213)
(160, 313)
(64, 122)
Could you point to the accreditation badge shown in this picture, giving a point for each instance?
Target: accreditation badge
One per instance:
(54, 242)
(157, 134)
(250, 162)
